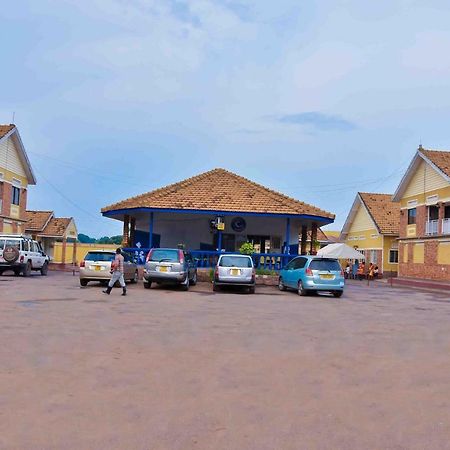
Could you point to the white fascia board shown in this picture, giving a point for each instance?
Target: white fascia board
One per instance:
(406, 177)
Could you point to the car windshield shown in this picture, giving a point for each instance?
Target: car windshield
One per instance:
(161, 255)
(99, 256)
(325, 264)
(235, 261)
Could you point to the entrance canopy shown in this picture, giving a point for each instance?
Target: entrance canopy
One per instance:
(340, 251)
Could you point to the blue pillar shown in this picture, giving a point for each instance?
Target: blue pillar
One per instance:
(150, 236)
(219, 240)
(288, 234)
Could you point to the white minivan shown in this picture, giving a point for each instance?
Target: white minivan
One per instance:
(22, 255)
(235, 270)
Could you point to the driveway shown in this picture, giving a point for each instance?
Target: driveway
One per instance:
(165, 369)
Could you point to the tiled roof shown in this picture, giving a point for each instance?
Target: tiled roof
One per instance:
(36, 220)
(5, 129)
(56, 227)
(219, 190)
(439, 158)
(385, 213)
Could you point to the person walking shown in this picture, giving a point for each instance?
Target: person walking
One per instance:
(371, 272)
(362, 271)
(117, 274)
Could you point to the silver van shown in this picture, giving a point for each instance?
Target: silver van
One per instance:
(235, 270)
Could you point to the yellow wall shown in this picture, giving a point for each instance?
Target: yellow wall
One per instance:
(362, 221)
(405, 253)
(444, 253)
(82, 249)
(7, 228)
(389, 243)
(418, 253)
(425, 179)
(10, 163)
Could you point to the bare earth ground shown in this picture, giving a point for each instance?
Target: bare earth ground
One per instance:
(165, 369)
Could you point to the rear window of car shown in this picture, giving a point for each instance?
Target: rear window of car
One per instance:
(325, 264)
(99, 256)
(235, 261)
(164, 255)
(9, 243)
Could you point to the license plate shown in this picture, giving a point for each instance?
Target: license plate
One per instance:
(97, 268)
(327, 277)
(235, 272)
(163, 269)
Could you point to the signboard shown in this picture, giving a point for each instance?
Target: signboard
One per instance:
(221, 226)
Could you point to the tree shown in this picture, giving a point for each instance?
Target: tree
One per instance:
(85, 239)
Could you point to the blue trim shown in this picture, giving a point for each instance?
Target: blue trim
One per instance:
(117, 212)
(219, 241)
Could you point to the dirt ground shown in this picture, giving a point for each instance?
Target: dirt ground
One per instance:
(165, 369)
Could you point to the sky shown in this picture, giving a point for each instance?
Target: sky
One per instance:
(316, 99)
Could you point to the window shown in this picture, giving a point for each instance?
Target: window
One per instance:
(433, 213)
(373, 256)
(236, 261)
(393, 256)
(412, 216)
(99, 256)
(15, 197)
(160, 255)
(325, 264)
(299, 263)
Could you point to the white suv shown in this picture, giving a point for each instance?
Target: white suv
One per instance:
(22, 254)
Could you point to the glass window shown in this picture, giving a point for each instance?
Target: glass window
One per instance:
(412, 216)
(15, 196)
(393, 256)
(160, 255)
(2, 244)
(325, 264)
(299, 263)
(235, 261)
(433, 213)
(13, 243)
(99, 256)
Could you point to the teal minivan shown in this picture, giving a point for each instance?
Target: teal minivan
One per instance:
(312, 274)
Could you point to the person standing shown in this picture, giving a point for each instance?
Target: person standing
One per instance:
(117, 273)
(355, 269)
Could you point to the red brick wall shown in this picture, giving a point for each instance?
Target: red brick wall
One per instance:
(421, 219)
(430, 270)
(403, 223)
(6, 209)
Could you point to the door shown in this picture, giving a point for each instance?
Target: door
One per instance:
(37, 259)
(289, 274)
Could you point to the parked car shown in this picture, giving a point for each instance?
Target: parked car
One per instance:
(312, 274)
(96, 266)
(235, 270)
(22, 255)
(170, 265)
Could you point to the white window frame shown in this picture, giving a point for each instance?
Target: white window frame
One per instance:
(390, 253)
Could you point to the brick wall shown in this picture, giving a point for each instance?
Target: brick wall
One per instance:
(430, 270)
(6, 208)
(403, 223)
(421, 219)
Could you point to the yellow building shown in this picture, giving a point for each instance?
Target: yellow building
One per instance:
(372, 227)
(424, 200)
(16, 175)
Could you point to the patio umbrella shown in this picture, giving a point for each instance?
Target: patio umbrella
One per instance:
(340, 251)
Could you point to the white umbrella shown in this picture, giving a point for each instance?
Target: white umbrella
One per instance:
(340, 251)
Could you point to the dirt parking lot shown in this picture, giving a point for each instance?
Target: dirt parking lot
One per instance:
(165, 369)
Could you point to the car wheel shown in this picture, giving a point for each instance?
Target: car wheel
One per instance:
(27, 270)
(193, 282)
(147, 284)
(44, 269)
(83, 282)
(338, 294)
(16, 272)
(281, 285)
(300, 289)
(185, 285)
(134, 280)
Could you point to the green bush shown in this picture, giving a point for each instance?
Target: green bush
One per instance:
(247, 248)
(211, 274)
(266, 272)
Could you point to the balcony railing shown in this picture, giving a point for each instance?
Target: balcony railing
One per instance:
(208, 259)
(446, 226)
(431, 227)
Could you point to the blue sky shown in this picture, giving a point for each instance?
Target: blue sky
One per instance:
(316, 99)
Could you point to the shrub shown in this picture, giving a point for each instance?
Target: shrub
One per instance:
(247, 248)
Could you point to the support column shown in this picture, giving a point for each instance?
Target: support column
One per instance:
(441, 218)
(288, 235)
(132, 231)
(126, 231)
(313, 250)
(304, 239)
(74, 253)
(150, 231)
(63, 251)
(219, 240)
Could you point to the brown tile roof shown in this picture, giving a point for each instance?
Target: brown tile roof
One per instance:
(219, 190)
(36, 220)
(5, 129)
(56, 227)
(385, 213)
(439, 158)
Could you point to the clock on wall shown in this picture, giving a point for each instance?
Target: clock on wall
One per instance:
(238, 224)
